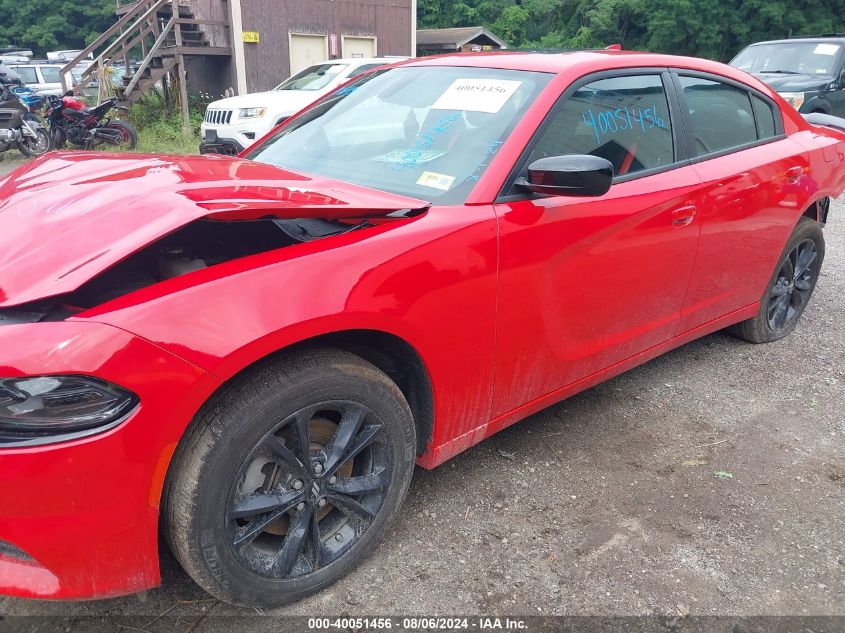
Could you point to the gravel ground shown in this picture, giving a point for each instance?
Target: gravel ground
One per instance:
(610, 503)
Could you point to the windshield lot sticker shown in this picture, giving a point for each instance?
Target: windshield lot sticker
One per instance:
(400, 156)
(435, 180)
(826, 49)
(477, 95)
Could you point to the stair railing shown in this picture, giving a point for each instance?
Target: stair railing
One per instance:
(136, 76)
(130, 30)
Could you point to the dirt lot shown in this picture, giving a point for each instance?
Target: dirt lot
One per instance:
(709, 480)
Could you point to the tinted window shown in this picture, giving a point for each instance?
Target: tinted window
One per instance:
(721, 115)
(27, 74)
(623, 119)
(765, 117)
(50, 74)
(363, 69)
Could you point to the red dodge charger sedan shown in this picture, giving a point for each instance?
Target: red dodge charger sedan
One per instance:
(253, 353)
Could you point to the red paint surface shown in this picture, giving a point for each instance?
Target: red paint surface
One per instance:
(511, 305)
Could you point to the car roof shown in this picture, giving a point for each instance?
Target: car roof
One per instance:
(792, 40)
(579, 62)
(363, 60)
(38, 62)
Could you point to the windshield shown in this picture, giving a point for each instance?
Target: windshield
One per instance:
(313, 77)
(805, 58)
(425, 132)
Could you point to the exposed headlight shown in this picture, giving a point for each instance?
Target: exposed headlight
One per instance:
(43, 407)
(795, 99)
(251, 113)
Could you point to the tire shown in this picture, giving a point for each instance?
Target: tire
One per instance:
(790, 287)
(129, 136)
(231, 466)
(37, 147)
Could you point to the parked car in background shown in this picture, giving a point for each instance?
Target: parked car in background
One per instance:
(233, 124)
(41, 76)
(809, 72)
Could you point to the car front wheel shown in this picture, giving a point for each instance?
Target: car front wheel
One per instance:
(287, 479)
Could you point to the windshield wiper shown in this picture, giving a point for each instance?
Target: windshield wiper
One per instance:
(778, 72)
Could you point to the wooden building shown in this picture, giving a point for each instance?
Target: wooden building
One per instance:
(239, 46)
(293, 34)
(466, 39)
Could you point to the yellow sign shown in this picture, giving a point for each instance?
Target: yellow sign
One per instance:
(252, 37)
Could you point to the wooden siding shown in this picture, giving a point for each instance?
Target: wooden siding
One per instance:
(268, 62)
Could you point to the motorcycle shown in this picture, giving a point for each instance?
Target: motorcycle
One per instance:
(19, 126)
(71, 122)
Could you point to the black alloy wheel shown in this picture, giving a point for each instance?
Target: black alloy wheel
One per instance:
(790, 287)
(309, 490)
(793, 286)
(288, 477)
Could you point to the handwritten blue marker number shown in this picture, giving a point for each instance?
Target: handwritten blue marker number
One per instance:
(612, 121)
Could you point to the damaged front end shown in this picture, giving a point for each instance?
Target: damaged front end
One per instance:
(98, 241)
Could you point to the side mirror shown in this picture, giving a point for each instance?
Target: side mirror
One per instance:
(569, 175)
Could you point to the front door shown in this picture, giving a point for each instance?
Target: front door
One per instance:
(588, 282)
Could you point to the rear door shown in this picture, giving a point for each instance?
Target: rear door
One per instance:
(588, 282)
(755, 180)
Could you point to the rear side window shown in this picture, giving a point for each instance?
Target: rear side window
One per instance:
(765, 116)
(622, 119)
(721, 115)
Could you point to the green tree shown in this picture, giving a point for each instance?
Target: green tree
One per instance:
(704, 28)
(46, 24)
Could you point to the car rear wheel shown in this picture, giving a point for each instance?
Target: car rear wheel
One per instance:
(790, 287)
(288, 478)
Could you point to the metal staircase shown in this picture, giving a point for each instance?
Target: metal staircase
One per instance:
(164, 32)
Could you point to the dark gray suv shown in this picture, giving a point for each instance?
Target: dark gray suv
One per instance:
(807, 71)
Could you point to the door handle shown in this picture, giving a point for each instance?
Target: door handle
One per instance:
(793, 175)
(682, 216)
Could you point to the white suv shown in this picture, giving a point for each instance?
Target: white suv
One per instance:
(42, 77)
(233, 124)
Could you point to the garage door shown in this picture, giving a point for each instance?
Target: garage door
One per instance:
(307, 50)
(359, 46)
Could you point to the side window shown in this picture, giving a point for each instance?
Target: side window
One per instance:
(721, 115)
(622, 119)
(765, 117)
(50, 74)
(27, 74)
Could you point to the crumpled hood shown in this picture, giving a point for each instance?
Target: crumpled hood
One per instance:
(794, 83)
(67, 217)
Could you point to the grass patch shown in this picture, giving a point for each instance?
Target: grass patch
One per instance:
(165, 137)
(160, 128)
